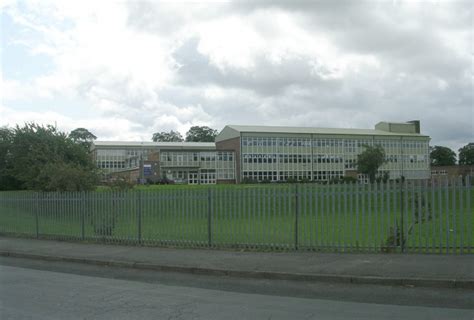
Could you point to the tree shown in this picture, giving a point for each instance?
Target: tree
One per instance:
(66, 177)
(466, 154)
(172, 136)
(42, 158)
(7, 181)
(442, 156)
(370, 160)
(83, 137)
(201, 134)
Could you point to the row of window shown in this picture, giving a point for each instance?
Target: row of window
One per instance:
(177, 157)
(320, 143)
(416, 158)
(320, 158)
(296, 175)
(138, 152)
(264, 159)
(110, 153)
(204, 174)
(122, 153)
(111, 164)
(276, 158)
(326, 175)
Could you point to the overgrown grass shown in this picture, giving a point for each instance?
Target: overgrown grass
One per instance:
(281, 216)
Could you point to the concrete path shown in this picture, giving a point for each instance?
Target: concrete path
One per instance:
(453, 271)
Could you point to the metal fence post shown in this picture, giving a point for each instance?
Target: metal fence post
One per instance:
(296, 216)
(209, 214)
(402, 213)
(469, 215)
(139, 216)
(36, 215)
(83, 213)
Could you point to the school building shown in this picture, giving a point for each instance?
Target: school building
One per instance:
(269, 153)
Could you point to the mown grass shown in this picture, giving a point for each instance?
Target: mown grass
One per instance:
(329, 217)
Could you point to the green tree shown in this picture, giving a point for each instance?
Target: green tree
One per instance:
(370, 160)
(66, 177)
(83, 137)
(172, 136)
(442, 156)
(201, 134)
(7, 181)
(466, 154)
(39, 157)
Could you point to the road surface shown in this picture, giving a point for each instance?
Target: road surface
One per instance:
(54, 290)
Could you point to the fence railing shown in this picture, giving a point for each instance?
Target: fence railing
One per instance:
(416, 216)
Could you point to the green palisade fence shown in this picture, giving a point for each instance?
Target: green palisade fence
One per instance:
(414, 216)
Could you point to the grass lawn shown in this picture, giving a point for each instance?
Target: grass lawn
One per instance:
(329, 217)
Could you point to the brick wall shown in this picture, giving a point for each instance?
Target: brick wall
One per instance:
(451, 171)
(232, 145)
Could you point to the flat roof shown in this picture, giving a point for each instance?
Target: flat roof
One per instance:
(309, 130)
(151, 144)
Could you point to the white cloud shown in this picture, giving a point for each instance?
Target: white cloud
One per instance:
(146, 66)
(105, 127)
(96, 46)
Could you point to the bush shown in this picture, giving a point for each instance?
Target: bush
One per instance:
(120, 184)
(383, 178)
(247, 180)
(292, 180)
(349, 179)
(164, 180)
(66, 177)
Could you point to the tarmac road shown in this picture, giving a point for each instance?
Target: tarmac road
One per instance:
(58, 290)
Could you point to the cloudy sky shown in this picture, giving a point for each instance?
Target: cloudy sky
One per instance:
(126, 69)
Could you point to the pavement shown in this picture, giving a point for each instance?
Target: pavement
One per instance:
(422, 270)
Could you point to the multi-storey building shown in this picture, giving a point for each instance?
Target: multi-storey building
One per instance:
(264, 153)
(187, 162)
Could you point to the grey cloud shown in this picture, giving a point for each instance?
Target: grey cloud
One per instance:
(405, 50)
(266, 78)
(367, 96)
(167, 17)
(324, 7)
(233, 107)
(400, 40)
(350, 14)
(297, 91)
